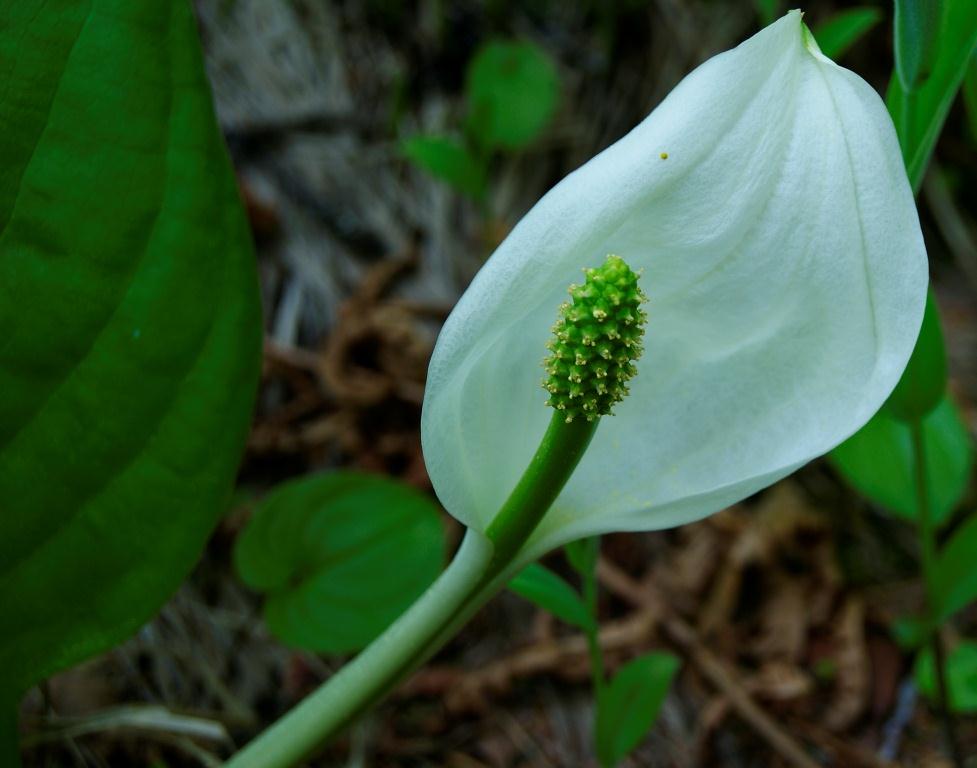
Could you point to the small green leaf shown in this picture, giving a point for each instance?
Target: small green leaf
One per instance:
(130, 328)
(961, 674)
(546, 589)
(915, 33)
(447, 160)
(339, 556)
(919, 115)
(877, 461)
(841, 31)
(628, 706)
(512, 91)
(911, 632)
(582, 554)
(956, 570)
(923, 383)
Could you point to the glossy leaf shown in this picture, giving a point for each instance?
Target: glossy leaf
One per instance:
(339, 556)
(840, 32)
(129, 319)
(961, 674)
(915, 36)
(628, 706)
(919, 115)
(447, 160)
(512, 90)
(923, 383)
(550, 592)
(877, 461)
(956, 570)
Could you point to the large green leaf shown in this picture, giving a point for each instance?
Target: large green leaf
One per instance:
(129, 323)
(339, 557)
(878, 461)
(628, 706)
(919, 115)
(970, 96)
(915, 33)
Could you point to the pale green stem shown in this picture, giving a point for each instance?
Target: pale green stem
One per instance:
(481, 567)
(927, 541)
(360, 683)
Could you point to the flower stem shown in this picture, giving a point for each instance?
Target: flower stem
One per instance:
(481, 567)
(927, 537)
(558, 454)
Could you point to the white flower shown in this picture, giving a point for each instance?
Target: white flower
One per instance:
(767, 203)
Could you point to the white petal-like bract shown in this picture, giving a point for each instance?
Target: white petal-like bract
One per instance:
(767, 203)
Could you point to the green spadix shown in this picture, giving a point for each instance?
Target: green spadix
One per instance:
(596, 340)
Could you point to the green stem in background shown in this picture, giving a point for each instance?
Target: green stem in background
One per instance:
(589, 579)
(927, 540)
(478, 570)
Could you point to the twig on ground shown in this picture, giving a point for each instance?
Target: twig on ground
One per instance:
(194, 750)
(523, 739)
(844, 753)
(896, 725)
(145, 719)
(466, 689)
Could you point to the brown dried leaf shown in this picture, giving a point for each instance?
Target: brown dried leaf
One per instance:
(853, 682)
(784, 621)
(780, 681)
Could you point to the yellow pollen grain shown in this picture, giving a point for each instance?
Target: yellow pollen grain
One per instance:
(664, 155)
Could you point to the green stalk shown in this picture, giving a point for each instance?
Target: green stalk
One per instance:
(558, 454)
(480, 568)
(927, 541)
(593, 631)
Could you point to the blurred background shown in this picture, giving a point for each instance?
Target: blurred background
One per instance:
(375, 192)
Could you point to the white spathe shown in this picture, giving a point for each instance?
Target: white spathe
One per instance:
(786, 277)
